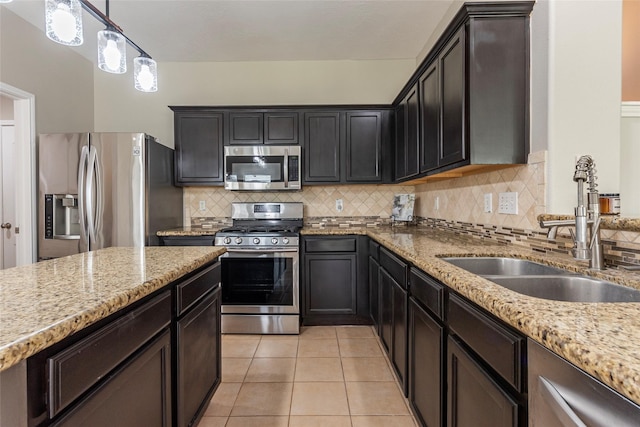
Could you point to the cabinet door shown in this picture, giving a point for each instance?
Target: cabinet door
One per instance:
(429, 118)
(198, 359)
(386, 309)
(245, 128)
(198, 143)
(363, 146)
(322, 147)
(137, 394)
(426, 369)
(452, 79)
(399, 146)
(330, 284)
(399, 331)
(474, 398)
(407, 155)
(281, 128)
(374, 274)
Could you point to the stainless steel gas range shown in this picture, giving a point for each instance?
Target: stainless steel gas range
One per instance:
(260, 279)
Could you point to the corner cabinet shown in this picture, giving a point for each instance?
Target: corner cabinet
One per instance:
(198, 146)
(472, 93)
(407, 136)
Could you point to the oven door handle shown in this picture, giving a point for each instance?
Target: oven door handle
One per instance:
(259, 251)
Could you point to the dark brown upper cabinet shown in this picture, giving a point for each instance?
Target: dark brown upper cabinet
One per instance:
(322, 147)
(473, 93)
(198, 147)
(346, 146)
(408, 134)
(253, 127)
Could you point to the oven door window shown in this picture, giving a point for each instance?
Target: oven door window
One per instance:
(262, 169)
(257, 281)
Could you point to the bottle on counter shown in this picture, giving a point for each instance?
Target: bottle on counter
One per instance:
(609, 203)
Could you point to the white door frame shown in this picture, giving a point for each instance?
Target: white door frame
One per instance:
(25, 135)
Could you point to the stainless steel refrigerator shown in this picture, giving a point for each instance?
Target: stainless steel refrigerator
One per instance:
(98, 190)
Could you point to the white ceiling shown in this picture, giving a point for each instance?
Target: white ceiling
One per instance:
(263, 30)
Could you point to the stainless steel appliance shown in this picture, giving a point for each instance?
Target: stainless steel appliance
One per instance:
(103, 189)
(260, 279)
(262, 167)
(561, 395)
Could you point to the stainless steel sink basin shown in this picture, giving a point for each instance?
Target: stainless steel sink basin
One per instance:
(503, 266)
(568, 288)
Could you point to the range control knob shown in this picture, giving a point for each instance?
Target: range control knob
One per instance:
(256, 240)
(238, 240)
(285, 240)
(227, 240)
(274, 241)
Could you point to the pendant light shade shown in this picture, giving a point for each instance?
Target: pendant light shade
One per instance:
(64, 21)
(145, 74)
(112, 54)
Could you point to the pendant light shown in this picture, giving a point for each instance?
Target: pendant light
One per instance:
(64, 21)
(145, 74)
(112, 52)
(6, 1)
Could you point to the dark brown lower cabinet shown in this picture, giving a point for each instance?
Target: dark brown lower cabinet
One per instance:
(137, 394)
(474, 397)
(426, 366)
(386, 309)
(187, 240)
(198, 364)
(393, 323)
(374, 290)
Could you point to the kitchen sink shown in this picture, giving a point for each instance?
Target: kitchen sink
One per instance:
(568, 288)
(543, 281)
(483, 266)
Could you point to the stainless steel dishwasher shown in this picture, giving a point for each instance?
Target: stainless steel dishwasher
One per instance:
(562, 395)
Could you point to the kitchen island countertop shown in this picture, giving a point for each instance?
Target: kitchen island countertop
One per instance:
(603, 339)
(43, 303)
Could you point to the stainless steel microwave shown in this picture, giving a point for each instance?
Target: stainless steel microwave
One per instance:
(262, 167)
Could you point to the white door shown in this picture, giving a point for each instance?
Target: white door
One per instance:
(8, 197)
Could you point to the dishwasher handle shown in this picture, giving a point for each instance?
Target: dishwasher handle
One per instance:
(558, 405)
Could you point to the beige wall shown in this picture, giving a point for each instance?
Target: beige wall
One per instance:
(60, 79)
(119, 107)
(631, 50)
(583, 105)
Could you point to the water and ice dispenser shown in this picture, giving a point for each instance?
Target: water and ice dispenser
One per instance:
(61, 216)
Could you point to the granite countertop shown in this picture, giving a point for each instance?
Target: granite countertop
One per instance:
(45, 302)
(609, 222)
(190, 231)
(601, 338)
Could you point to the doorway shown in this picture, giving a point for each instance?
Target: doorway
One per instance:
(17, 187)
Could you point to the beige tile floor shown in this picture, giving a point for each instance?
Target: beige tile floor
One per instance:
(334, 376)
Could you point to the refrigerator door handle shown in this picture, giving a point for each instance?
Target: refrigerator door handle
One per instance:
(94, 206)
(82, 208)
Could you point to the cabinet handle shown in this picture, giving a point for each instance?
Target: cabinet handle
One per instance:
(558, 405)
(6, 225)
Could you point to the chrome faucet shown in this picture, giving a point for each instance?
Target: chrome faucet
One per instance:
(586, 239)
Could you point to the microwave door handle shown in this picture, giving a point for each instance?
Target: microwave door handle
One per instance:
(286, 168)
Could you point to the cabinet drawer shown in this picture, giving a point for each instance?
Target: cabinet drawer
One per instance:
(187, 241)
(498, 346)
(74, 370)
(428, 291)
(396, 267)
(347, 244)
(374, 249)
(194, 288)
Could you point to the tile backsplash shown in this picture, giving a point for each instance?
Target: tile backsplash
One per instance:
(319, 201)
(460, 208)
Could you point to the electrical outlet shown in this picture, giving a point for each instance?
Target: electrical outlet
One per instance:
(436, 203)
(508, 203)
(488, 203)
(339, 205)
(203, 206)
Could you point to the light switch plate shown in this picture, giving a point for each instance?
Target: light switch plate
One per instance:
(203, 206)
(339, 205)
(508, 203)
